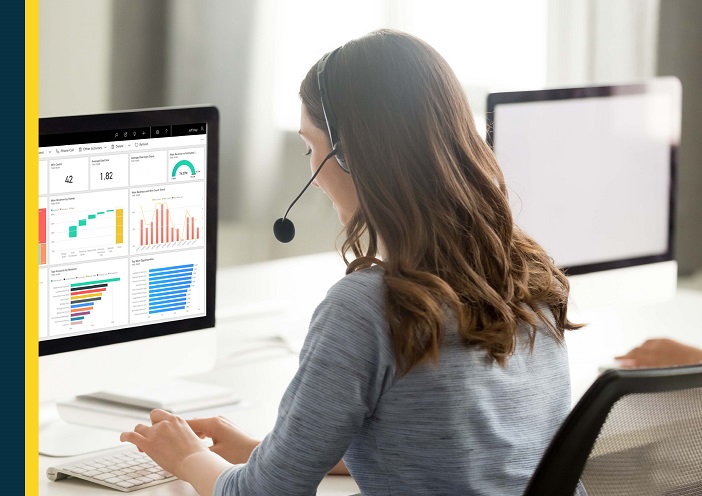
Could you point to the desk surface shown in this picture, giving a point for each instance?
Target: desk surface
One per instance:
(259, 373)
(254, 361)
(614, 331)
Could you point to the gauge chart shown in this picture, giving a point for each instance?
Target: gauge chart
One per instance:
(186, 164)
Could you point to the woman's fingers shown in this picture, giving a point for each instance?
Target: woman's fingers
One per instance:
(201, 427)
(142, 429)
(159, 415)
(133, 437)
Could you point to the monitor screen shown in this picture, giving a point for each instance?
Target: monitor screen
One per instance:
(590, 171)
(127, 226)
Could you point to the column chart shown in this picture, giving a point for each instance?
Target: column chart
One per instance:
(41, 252)
(167, 217)
(87, 227)
(161, 230)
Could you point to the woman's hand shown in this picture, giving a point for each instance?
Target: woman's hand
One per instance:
(173, 445)
(232, 444)
(228, 441)
(660, 353)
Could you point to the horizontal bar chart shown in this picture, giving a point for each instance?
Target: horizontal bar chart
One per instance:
(169, 288)
(84, 295)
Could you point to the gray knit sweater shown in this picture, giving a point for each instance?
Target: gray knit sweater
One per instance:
(464, 426)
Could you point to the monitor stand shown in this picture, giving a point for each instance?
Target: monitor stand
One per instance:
(62, 376)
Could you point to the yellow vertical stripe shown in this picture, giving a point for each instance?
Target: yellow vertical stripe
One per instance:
(31, 185)
(119, 225)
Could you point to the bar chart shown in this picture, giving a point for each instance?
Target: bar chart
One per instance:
(167, 217)
(87, 227)
(88, 297)
(119, 223)
(43, 303)
(167, 285)
(42, 236)
(85, 295)
(163, 229)
(169, 288)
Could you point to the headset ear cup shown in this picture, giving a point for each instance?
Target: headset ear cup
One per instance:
(340, 158)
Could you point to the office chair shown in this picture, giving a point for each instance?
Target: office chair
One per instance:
(634, 432)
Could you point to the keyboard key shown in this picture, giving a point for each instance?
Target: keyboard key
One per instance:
(127, 470)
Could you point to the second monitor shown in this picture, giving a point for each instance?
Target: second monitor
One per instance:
(590, 173)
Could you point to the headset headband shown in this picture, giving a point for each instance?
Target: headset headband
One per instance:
(327, 110)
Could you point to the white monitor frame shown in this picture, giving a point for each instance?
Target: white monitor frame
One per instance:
(627, 277)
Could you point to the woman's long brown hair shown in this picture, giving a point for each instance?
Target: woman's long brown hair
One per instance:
(431, 191)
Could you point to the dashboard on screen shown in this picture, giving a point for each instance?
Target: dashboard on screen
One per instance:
(125, 226)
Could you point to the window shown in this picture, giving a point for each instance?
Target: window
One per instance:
(497, 44)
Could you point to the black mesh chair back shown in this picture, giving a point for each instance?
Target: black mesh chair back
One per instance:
(634, 432)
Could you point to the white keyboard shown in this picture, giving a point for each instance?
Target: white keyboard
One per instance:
(124, 469)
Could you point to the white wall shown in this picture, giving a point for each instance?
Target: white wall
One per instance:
(74, 56)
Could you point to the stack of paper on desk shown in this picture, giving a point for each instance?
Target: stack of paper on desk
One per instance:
(176, 396)
(122, 410)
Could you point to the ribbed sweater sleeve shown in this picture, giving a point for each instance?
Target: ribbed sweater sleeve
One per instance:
(344, 367)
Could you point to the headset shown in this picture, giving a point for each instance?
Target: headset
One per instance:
(327, 110)
(283, 228)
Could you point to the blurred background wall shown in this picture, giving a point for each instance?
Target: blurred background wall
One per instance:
(248, 57)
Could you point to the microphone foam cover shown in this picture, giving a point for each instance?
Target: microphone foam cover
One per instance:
(284, 230)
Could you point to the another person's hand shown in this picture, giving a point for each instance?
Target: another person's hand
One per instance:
(228, 441)
(174, 446)
(660, 353)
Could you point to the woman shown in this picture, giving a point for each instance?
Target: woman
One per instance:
(437, 365)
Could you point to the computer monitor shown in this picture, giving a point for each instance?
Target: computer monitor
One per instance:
(590, 173)
(127, 248)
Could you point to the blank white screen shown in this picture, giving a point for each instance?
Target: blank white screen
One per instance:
(589, 178)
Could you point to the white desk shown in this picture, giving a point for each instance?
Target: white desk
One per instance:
(277, 299)
(611, 332)
(258, 376)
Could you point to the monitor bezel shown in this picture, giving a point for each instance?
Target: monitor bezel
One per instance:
(147, 118)
(669, 85)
